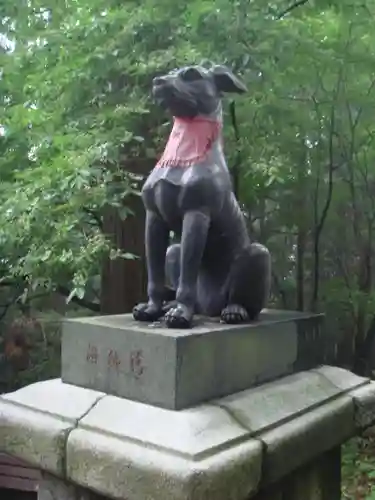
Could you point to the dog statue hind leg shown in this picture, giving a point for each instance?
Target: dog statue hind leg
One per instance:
(248, 285)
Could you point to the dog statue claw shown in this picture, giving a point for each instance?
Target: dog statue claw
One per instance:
(180, 316)
(215, 269)
(147, 312)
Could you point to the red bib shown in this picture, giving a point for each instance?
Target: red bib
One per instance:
(189, 141)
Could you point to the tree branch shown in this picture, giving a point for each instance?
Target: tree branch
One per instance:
(6, 308)
(62, 290)
(8, 283)
(291, 7)
(319, 224)
(94, 215)
(92, 306)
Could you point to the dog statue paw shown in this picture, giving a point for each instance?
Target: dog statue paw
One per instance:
(234, 314)
(179, 317)
(147, 312)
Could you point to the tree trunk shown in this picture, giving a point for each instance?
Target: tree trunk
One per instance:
(123, 282)
(301, 247)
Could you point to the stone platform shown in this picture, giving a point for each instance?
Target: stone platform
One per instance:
(176, 369)
(232, 448)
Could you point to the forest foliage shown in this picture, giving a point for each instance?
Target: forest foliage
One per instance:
(75, 110)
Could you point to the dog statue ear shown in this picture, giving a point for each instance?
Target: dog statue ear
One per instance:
(226, 81)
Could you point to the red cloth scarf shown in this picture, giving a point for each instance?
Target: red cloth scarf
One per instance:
(189, 142)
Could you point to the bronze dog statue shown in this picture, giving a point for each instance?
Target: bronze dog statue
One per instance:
(215, 270)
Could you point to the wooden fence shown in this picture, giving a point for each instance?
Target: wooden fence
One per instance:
(17, 475)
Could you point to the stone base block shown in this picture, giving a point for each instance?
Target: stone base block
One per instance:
(36, 420)
(231, 448)
(318, 480)
(177, 369)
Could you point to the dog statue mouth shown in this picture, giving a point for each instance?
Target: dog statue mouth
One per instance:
(179, 106)
(158, 90)
(161, 95)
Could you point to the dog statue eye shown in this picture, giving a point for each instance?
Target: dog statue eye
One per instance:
(191, 74)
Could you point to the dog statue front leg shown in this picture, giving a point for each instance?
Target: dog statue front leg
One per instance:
(156, 243)
(193, 241)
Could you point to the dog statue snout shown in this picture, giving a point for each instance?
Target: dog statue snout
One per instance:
(158, 80)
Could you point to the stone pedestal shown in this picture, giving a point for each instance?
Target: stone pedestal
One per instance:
(176, 369)
(266, 443)
(193, 421)
(318, 480)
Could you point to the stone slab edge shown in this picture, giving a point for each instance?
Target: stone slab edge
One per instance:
(120, 468)
(123, 469)
(38, 436)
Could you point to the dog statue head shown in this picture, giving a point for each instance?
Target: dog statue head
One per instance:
(195, 90)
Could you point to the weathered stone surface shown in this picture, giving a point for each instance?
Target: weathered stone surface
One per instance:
(35, 421)
(293, 419)
(271, 404)
(226, 449)
(364, 405)
(54, 397)
(320, 479)
(340, 378)
(196, 454)
(194, 433)
(176, 369)
(302, 439)
(36, 438)
(123, 469)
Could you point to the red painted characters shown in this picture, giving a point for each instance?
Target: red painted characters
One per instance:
(135, 368)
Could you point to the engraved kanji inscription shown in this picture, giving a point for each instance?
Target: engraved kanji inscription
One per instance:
(136, 363)
(92, 354)
(113, 359)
